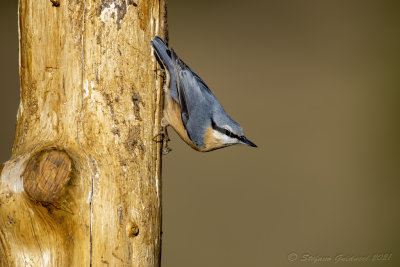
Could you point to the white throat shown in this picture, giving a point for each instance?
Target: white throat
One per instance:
(224, 138)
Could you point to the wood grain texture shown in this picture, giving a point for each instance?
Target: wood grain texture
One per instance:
(46, 175)
(89, 87)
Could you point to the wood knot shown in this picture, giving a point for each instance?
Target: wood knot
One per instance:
(47, 174)
(133, 230)
(56, 3)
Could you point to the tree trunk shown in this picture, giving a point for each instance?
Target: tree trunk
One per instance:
(83, 186)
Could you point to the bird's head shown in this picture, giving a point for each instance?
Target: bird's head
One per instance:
(227, 132)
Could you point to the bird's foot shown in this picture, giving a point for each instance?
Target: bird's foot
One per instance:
(164, 138)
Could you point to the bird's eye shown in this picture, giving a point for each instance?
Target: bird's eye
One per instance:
(228, 133)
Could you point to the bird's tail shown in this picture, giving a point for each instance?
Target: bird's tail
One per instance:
(163, 55)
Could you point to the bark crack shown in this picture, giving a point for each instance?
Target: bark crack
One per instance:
(83, 132)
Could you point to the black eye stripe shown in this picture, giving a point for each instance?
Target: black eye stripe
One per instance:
(224, 131)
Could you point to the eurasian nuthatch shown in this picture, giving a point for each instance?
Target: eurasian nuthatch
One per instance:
(191, 108)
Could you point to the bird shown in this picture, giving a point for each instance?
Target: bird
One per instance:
(190, 107)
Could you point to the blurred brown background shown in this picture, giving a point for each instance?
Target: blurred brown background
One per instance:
(316, 86)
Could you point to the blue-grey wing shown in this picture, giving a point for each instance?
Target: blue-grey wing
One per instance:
(194, 99)
(163, 56)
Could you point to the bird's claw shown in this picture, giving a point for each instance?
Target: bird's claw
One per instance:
(164, 139)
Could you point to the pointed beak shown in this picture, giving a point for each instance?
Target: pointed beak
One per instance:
(247, 142)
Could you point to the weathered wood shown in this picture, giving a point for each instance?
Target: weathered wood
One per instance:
(83, 186)
(46, 175)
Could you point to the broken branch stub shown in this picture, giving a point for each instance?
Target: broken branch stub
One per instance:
(47, 175)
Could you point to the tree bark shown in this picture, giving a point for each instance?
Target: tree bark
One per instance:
(83, 186)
